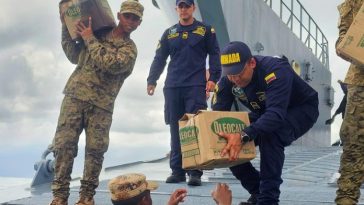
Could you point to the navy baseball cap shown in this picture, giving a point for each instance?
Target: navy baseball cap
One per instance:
(188, 2)
(234, 57)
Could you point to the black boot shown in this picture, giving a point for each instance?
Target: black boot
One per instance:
(252, 200)
(175, 179)
(194, 181)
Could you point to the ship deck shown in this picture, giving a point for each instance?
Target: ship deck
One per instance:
(308, 176)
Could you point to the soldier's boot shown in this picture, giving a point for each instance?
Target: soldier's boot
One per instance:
(59, 201)
(85, 201)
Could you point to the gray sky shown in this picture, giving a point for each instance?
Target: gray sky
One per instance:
(34, 70)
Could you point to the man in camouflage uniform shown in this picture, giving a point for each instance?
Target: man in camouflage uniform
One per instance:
(352, 128)
(103, 63)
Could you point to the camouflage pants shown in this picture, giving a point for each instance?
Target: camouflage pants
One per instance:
(352, 159)
(75, 116)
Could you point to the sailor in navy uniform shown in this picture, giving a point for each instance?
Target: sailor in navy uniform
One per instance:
(187, 44)
(283, 108)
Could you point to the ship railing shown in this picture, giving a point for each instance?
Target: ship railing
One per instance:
(296, 17)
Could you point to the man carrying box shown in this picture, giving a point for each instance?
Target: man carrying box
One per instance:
(283, 108)
(351, 132)
(103, 63)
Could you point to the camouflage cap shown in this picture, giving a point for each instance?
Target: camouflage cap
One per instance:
(132, 6)
(128, 186)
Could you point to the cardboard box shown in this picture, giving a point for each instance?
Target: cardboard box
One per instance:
(352, 45)
(200, 144)
(80, 10)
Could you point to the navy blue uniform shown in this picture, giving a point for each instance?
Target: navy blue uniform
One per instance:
(184, 89)
(283, 108)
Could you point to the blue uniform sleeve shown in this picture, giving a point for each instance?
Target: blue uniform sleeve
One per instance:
(159, 61)
(223, 98)
(279, 81)
(214, 55)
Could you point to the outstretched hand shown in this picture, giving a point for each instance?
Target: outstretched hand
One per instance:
(85, 31)
(233, 146)
(177, 197)
(222, 194)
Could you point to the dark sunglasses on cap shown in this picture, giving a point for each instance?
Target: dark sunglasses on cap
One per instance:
(183, 5)
(131, 16)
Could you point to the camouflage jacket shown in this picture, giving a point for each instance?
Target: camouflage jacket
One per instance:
(348, 10)
(102, 66)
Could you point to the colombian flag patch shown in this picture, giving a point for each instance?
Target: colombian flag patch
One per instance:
(269, 78)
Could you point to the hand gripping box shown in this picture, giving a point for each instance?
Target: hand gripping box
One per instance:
(79, 10)
(352, 45)
(200, 144)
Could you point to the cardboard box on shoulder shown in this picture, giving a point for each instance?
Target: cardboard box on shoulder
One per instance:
(81, 10)
(352, 45)
(201, 145)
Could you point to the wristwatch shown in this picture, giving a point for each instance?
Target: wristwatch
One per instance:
(244, 138)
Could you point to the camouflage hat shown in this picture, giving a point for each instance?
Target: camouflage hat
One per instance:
(128, 186)
(132, 6)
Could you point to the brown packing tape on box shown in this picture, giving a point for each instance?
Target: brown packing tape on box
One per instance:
(352, 45)
(81, 10)
(200, 144)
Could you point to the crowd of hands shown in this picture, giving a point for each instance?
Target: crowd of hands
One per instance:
(221, 194)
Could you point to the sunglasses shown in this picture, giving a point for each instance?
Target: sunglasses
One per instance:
(132, 17)
(183, 5)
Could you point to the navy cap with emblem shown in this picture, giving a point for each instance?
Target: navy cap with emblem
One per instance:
(188, 2)
(234, 57)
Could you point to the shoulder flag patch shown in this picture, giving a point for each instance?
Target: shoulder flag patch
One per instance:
(269, 78)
